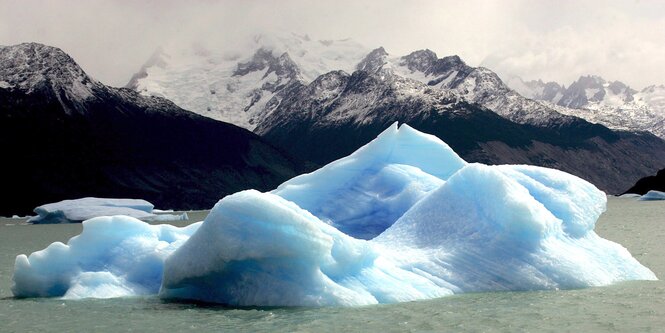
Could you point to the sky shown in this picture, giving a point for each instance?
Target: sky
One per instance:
(550, 40)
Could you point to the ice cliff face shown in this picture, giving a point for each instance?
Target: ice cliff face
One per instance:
(610, 103)
(403, 218)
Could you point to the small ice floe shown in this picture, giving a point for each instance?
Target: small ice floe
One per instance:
(653, 195)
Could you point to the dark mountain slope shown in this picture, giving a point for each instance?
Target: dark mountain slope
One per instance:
(64, 135)
(646, 184)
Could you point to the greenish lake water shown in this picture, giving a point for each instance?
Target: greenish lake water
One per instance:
(637, 306)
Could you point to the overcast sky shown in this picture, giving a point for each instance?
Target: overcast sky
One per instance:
(553, 40)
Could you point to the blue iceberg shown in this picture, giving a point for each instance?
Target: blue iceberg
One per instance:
(653, 195)
(112, 257)
(403, 218)
(77, 210)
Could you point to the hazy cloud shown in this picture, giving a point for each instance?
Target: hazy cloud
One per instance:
(552, 40)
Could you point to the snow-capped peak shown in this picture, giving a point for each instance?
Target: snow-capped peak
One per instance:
(610, 103)
(374, 61)
(313, 57)
(33, 66)
(536, 89)
(235, 83)
(421, 60)
(264, 59)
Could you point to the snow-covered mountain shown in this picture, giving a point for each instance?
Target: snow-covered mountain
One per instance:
(338, 112)
(241, 86)
(609, 103)
(236, 84)
(75, 137)
(476, 85)
(31, 67)
(344, 103)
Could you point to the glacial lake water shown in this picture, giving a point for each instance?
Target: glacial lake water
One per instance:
(637, 306)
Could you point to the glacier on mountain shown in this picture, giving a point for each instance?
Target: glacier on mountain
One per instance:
(403, 218)
(238, 84)
(209, 82)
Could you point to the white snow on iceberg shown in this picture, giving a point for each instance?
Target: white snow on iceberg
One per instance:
(403, 218)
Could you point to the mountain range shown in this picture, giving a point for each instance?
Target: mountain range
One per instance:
(610, 103)
(235, 85)
(65, 135)
(323, 107)
(301, 102)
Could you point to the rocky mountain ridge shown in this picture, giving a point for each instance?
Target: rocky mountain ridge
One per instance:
(69, 136)
(346, 105)
(610, 103)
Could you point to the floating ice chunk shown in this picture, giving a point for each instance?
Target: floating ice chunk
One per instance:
(653, 195)
(78, 210)
(486, 228)
(629, 195)
(112, 256)
(433, 226)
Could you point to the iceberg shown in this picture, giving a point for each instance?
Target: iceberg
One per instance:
(629, 196)
(112, 257)
(653, 195)
(403, 218)
(77, 210)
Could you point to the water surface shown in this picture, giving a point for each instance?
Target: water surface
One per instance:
(637, 306)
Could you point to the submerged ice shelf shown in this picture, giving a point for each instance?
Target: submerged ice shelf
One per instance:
(403, 218)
